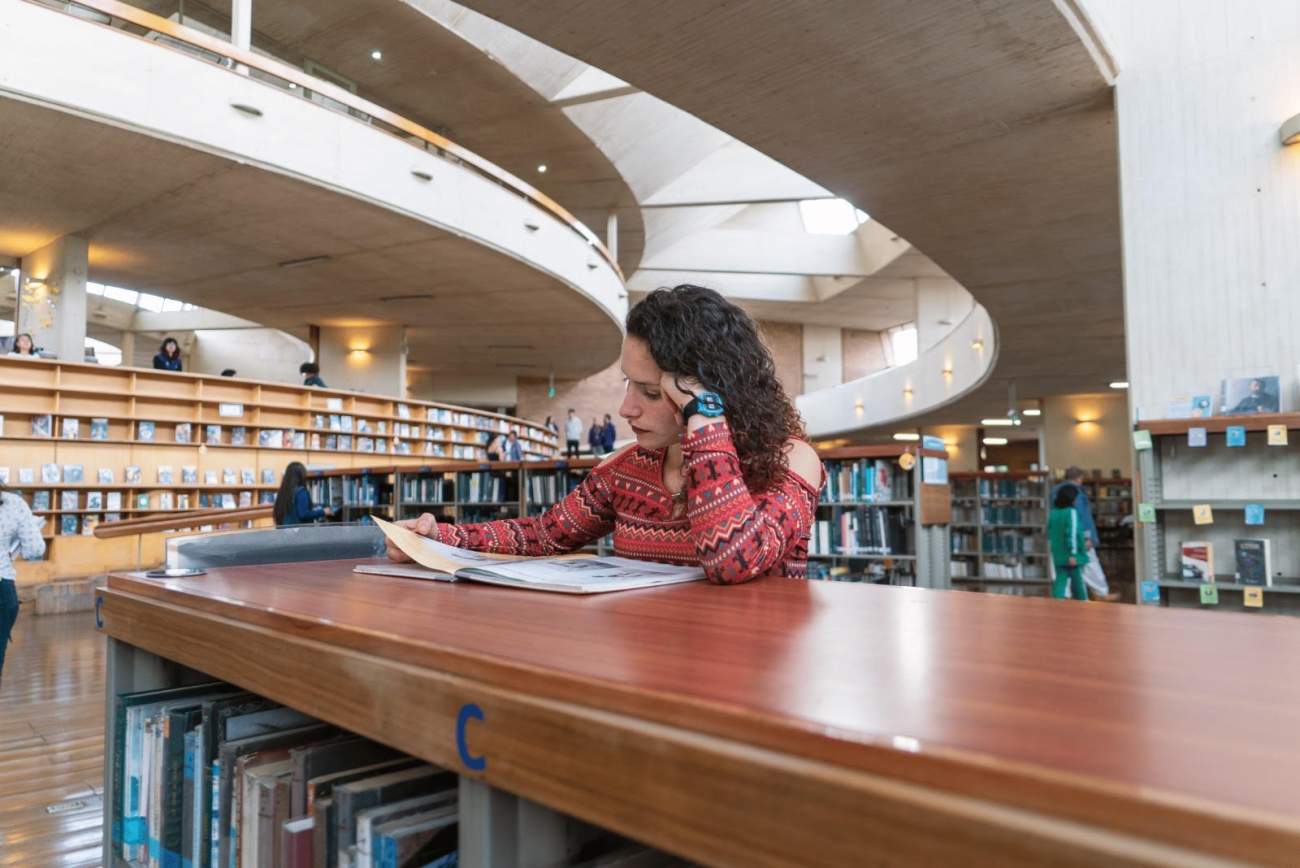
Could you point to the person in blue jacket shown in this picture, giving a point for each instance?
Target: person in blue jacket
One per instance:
(1095, 578)
(169, 356)
(293, 502)
(608, 435)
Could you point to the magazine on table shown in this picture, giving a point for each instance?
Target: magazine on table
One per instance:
(566, 574)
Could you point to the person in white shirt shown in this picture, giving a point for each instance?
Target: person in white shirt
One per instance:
(19, 531)
(573, 432)
(24, 347)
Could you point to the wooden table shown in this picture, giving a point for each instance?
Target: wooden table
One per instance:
(787, 722)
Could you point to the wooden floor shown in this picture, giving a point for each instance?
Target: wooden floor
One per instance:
(52, 743)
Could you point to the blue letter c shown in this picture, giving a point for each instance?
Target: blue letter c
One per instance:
(476, 763)
(99, 622)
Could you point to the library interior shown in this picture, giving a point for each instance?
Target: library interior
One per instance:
(505, 434)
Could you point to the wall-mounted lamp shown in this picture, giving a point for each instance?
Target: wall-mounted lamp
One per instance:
(947, 372)
(1290, 132)
(977, 344)
(857, 406)
(907, 393)
(995, 441)
(359, 351)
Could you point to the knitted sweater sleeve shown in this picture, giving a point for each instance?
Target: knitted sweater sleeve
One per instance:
(740, 535)
(585, 515)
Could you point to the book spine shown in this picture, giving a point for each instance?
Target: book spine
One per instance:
(214, 826)
(118, 784)
(156, 793)
(187, 802)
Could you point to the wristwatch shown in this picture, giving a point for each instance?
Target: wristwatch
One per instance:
(704, 404)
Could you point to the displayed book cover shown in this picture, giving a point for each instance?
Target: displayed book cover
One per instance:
(182, 501)
(212, 436)
(318, 421)
(363, 427)
(144, 432)
(133, 473)
(142, 501)
(268, 476)
(1254, 562)
(204, 501)
(4, 475)
(365, 444)
(43, 425)
(286, 439)
(403, 411)
(88, 524)
(228, 476)
(68, 500)
(184, 432)
(41, 501)
(26, 475)
(94, 500)
(2, 426)
(105, 476)
(50, 474)
(1252, 597)
(381, 444)
(265, 497)
(209, 477)
(98, 429)
(71, 428)
(69, 525)
(1277, 435)
(333, 403)
(190, 475)
(1240, 395)
(401, 447)
(269, 438)
(113, 500)
(247, 477)
(332, 441)
(335, 423)
(112, 516)
(405, 430)
(299, 439)
(346, 421)
(165, 500)
(345, 442)
(74, 474)
(245, 498)
(1196, 559)
(239, 436)
(165, 476)
(228, 500)
(315, 441)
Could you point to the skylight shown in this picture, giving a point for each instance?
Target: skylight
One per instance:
(830, 216)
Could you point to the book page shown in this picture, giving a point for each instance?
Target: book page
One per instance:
(586, 576)
(435, 555)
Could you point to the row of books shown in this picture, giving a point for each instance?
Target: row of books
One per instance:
(1012, 543)
(487, 487)
(1010, 488)
(1018, 570)
(865, 480)
(74, 474)
(860, 530)
(440, 488)
(365, 490)
(1013, 515)
(548, 488)
(112, 501)
(875, 572)
(1252, 559)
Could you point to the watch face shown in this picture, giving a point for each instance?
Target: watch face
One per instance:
(710, 403)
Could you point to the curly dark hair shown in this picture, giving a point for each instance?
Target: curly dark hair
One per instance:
(695, 332)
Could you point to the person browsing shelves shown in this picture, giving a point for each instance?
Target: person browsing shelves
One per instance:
(20, 534)
(720, 475)
(293, 501)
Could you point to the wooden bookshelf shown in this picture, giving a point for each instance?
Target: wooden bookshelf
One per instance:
(126, 397)
(1174, 477)
(999, 532)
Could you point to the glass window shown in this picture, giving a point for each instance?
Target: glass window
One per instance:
(94, 288)
(116, 293)
(830, 216)
(170, 304)
(903, 340)
(150, 302)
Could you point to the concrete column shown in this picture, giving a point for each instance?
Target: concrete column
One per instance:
(369, 359)
(241, 23)
(611, 234)
(128, 349)
(52, 298)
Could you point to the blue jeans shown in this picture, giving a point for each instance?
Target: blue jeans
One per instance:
(8, 614)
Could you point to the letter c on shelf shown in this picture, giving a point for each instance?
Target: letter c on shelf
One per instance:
(99, 622)
(467, 711)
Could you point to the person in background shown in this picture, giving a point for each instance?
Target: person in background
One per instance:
(23, 347)
(596, 437)
(293, 501)
(551, 426)
(514, 450)
(228, 372)
(1094, 577)
(311, 375)
(496, 447)
(169, 356)
(573, 433)
(20, 530)
(608, 435)
(1068, 542)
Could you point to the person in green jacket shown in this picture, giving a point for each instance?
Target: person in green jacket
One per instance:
(1069, 544)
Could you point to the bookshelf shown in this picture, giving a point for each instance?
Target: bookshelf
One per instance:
(234, 435)
(1111, 501)
(999, 533)
(878, 520)
(1175, 477)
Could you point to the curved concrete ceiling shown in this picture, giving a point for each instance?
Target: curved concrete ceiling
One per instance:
(431, 75)
(981, 132)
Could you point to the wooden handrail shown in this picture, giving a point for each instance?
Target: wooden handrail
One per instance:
(284, 71)
(179, 521)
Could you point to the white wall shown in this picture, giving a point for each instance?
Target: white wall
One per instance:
(1090, 431)
(263, 354)
(1211, 200)
(369, 359)
(823, 357)
(941, 303)
(487, 391)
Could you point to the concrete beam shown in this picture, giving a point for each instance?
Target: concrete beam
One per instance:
(187, 320)
(735, 173)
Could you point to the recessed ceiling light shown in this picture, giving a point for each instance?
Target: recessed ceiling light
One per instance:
(377, 55)
(989, 423)
(904, 435)
(1119, 384)
(1034, 412)
(542, 168)
(995, 441)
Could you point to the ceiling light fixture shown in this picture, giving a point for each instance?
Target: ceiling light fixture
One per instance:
(1290, 133)
(993, 423)
(905, 435)
(299, 263)
(377, 55)
(1119, 384)
(1033, 412)
(995, 441)
(542, 168)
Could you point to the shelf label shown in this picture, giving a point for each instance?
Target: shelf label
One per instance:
(1142, 440)
(468, 712)
(1203, 513)
(1253, 597)
(1276, 435)
(1236, 435)
(1150, 592)
(1146, 512)
(1209, 595)
(1196, 437)
(230, 410)
(1254, 513)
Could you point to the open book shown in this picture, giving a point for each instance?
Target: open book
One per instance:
(567, 574)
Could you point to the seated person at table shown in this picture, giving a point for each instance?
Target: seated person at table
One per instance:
(719, 476)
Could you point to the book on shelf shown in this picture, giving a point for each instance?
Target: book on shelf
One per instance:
(269, 438)
(381, 445)
(41, 501)
(268, 476)
(142, 501)
(132, 473)
(403, 411)
(112, 516)
(4, 475)
(345, 442)
(165, 500)
(246, 476)
(94, 500)
(570, 574)
(74, 474)
(98, 429)
(332, 442)
(346, 422)
(212, 435)
(245, 498)
(209, 477)
(1196, 561)
(365, 444)
(381, 427)
(2, 425)
(315, 440)
(228, 500)
(69, 525)
(113, 501)
(42, 425)
(333, 403)
(88, 524)
(165, 476)
(182, 501)
(68, 500)
(286, 439)
(238, 435)
(190, 475)
(184, 432)
(1189, 407)
(264, 497)
(1254, 562)
(71, 428)
(50, 474)
(145, 432)
(105, 475)
(363, 427)
(228, 476)
(299, 439)
(26, 475)
(335, 423)
(1239, 395)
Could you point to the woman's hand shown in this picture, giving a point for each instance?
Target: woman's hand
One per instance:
(425, 525)
(679, 397)
(1074, 562)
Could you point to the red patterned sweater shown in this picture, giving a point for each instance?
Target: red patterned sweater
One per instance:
(734, 535)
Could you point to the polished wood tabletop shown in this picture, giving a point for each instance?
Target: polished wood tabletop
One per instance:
(1111, 714)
